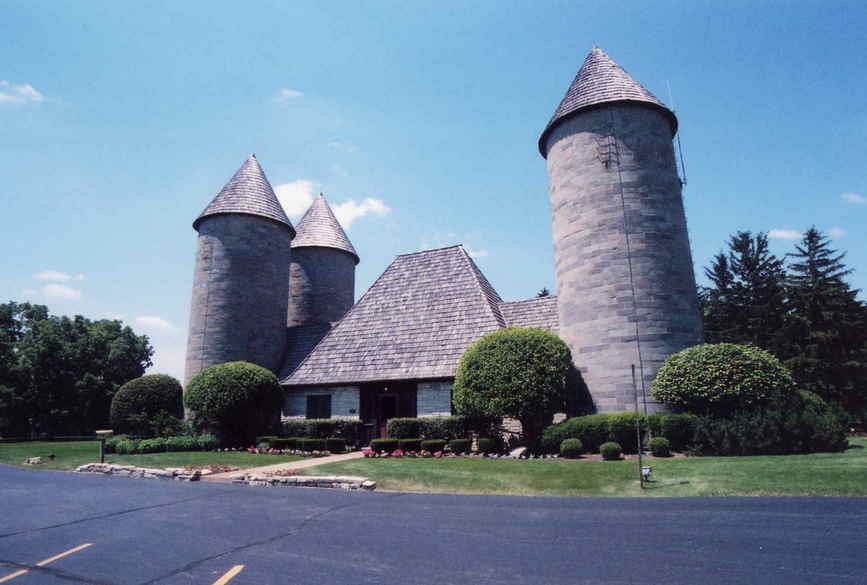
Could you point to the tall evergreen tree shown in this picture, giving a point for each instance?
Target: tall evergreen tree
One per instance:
(827, 325)
(746, 303)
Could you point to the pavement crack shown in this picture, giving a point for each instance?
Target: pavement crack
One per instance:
(304, 523)
(101, 516)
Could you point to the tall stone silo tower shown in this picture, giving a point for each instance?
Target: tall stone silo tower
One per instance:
(241, 279)
(624, 270)
(322, 274)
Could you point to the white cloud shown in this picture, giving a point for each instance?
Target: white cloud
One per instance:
(14, 93)
(60, 291)
(155, 323)
(854, 198)
(54, 275)
(349, 211)
(783, 234)
(481, 253)
(297, 196)
(169, 360)
(344, 146)
(837, 232)
(29, 292)
(284, 94)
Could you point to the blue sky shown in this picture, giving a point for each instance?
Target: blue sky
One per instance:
(119, 121)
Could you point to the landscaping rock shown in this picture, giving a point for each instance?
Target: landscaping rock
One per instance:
(329, 481)
(179, 474)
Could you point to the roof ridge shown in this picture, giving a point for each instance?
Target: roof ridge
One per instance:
(534, 299)
(483, 283)
(429, 250)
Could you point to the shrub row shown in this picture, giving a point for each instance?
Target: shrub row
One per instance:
(596, 429)
(323, 428)
(441, 427)
(459, 446)
(123, 445)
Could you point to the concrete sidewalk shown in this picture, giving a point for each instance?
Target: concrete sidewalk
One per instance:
(300, 464)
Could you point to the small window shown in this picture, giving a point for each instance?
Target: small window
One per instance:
(319, 406)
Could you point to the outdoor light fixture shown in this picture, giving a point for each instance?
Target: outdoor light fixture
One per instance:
(102, 436)
(646, 470)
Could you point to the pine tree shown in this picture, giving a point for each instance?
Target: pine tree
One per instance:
(747, 301)
(827, 325)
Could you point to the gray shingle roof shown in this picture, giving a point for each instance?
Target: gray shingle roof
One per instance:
(248, 191)
(600, 80)
(414, 322)
(539, 312)
(319, 228)
(301, 341)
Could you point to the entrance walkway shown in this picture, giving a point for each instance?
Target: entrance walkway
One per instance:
(300, 464)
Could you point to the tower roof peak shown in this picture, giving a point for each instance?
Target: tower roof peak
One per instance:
(600, 80)
(247, 192)
(319, 228)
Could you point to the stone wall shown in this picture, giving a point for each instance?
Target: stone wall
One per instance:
(345, 401)
(434, 398)
(597, 161)
(240, 293)
(322, 285)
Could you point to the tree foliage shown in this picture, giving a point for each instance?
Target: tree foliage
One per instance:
(238, 400)
(138, 402)
(58, 374)
(804, 313)
(515, 372)
(715, 379)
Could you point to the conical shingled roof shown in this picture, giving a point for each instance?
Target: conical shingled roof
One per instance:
(319, 228)
(600, 80)
(248, 191)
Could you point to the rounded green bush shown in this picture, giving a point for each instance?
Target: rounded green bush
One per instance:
(516, 372)
(138, 401)
(611, 451)
(237, 399)
(433, 445)
(718, 378)
(571, 449)
(460, 446)
(660, 447)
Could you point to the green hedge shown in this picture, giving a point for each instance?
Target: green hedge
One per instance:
(335, 445)
(571, 448)
(660, 447)
(323, 428)
(433, 445)
(409, 444)
(312, 444)
(441, 427)
(136, 403)
(488, 445)
(123, 445)
(611, 451)
(595, 429)
(460, 446)
(384, 445)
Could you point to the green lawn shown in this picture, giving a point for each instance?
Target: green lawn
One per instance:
(822, 474)
(72, 454)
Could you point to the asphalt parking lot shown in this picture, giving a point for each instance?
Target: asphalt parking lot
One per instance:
(65, 528)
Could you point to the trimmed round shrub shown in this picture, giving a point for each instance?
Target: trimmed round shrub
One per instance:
(409, 444)
(679, 429)
(433, 445)
(591, 429)
(335, 445)
(139, 401)
(238, 400)
(720, 378)
(660, 447)
(514, 372)
(488, 445)
(571, 449)
(384, 445)
(611, 451)
(460, 446)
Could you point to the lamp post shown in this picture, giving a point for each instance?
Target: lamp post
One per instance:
(102, 436)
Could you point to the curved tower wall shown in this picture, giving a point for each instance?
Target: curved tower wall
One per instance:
(598, 160)
(321, 285)
(240, 292)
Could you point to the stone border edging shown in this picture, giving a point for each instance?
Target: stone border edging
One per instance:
(177, 473)
(320, 481)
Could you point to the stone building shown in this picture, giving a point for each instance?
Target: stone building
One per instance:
(283, 296)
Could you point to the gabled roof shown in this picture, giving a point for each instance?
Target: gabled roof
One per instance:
(540, 312)
(414, 322)
(319, 228)
(300, 342)
(599, 81)
(248, 191)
